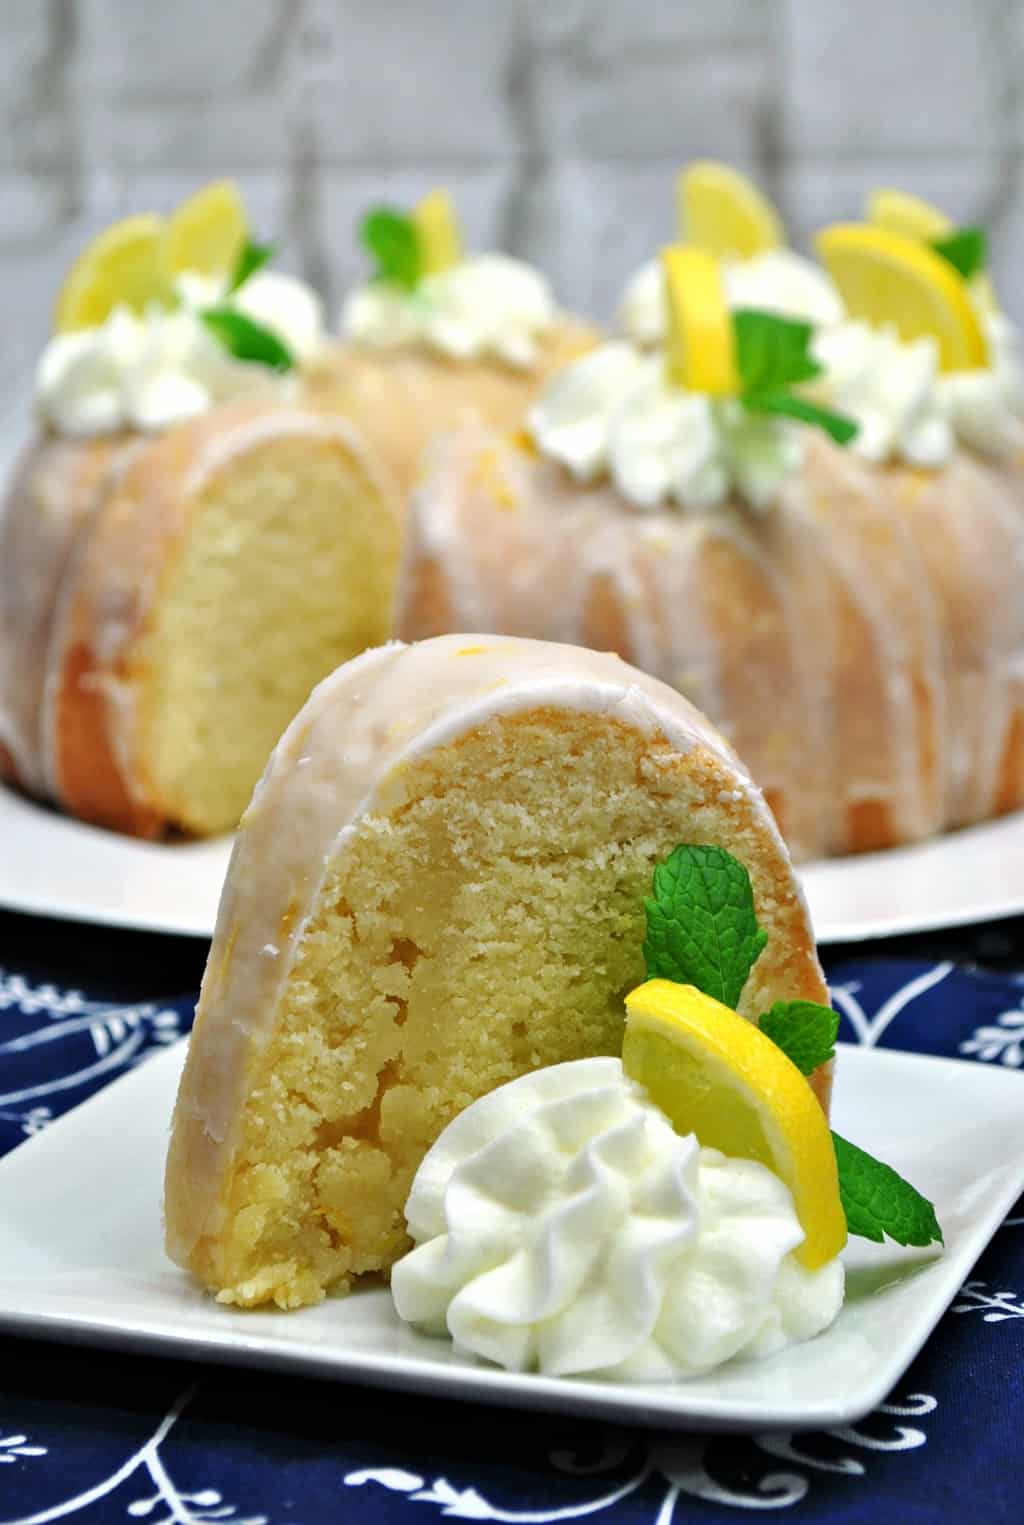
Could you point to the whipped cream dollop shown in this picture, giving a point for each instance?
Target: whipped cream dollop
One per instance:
(486, 306)
(561, 1225)
(777, 281)
(165, 366)
(613, 412)
(906, 408)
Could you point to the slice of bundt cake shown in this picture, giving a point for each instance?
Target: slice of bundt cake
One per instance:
(438, 886)
(168, 602)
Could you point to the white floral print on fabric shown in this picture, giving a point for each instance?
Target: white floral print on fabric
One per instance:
(55, 1043)
(994, 1307)
(12, 1447)
(678, 1463)
(1001, 1043)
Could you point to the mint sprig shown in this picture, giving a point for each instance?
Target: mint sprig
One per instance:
(252, 258)
(966, 250)
(804, 1030)
(773, 354)
(878, 1202)
(390, 238)
(701, 926)
(247, 340)
(702, 930)
(787, 405)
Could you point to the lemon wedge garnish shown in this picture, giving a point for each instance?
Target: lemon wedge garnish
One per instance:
(207, 233)
(888, 278)
(715, 1074)
(721, 210)
(123, 266)
(437, 229)
(700, 348)
(900, 212)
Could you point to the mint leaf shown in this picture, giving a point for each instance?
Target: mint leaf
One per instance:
(701, 926)
(772, 351)
(836, 425)
(804, 1030)
(878, 1202)
(252, 258)
(966, 250)
(247, 340)
(773, 354)
(391, 239)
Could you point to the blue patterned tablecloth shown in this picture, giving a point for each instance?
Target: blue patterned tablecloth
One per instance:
(93, 1437)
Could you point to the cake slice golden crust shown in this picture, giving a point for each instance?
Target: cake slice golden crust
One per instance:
(439, 886)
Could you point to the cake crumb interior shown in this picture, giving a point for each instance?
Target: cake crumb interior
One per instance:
(286, 571)
(486, 919)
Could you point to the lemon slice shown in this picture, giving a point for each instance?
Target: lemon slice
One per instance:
(208, 231)
(900, 212)
(716, 1075)
(701, 344)
(122, 266)
(721, 210)
(888, 278)
(437, 229)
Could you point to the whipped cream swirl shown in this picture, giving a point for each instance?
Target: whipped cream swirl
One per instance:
(158, 369)
(906, 408)
(613, 412)
(777, 281)
(561, 1225)
(487, 306)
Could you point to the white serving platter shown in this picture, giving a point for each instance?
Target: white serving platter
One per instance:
(83, 1261)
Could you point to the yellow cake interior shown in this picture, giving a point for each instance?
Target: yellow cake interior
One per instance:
(286, 570)
(487, 919)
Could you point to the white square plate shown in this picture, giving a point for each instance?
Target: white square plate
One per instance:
(81, 1260)
(52, 865)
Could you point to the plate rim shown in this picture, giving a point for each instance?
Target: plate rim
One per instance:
(469, 1381)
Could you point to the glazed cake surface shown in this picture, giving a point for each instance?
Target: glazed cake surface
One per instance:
(861, 644)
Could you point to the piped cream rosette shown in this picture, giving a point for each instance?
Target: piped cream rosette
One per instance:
(160, 319)
(710, 418)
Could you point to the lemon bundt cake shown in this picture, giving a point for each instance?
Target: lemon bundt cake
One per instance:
(438, 886)
(438, 337)
(192, 543)
(167, 603)
(843, 601)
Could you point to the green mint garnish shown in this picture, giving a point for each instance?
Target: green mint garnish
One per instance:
(701, 927)
(247, 340)
(391, 239)
(966, 250)
(836, 425)
(774, 354)
(252, 258)
(804, 1030)
(878, 1202)
(772, 351)
(702, 930)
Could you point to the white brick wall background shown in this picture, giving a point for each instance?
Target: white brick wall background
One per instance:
(558, 124)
